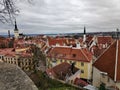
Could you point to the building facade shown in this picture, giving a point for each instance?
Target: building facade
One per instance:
(106, 67)
(81, 58)
(24, 61)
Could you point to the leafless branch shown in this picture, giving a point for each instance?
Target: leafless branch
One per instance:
(8, 10)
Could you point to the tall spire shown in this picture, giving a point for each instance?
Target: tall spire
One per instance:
(84, 30)
(16, 29)
(84, 36)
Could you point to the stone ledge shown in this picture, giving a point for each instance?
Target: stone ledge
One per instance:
(13, 78)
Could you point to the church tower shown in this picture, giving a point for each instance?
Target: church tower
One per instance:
(84, 35)
(16, 31)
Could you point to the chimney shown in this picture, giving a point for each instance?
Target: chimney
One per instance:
(9, 33)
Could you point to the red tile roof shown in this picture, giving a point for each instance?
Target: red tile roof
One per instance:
(7, 52)
(104, 39)
(61, 41)
(54, 41)
(69, 53)
(109, 61)
(96, 51)
(80, 82)
(11, 52)
(63, 68)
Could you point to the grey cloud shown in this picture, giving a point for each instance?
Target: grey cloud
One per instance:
(59, 16)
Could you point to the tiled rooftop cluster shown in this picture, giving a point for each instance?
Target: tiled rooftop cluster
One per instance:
(63, 52)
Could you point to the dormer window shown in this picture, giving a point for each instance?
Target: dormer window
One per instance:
(74, 55)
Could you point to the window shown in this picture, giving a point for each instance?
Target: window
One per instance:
(61, 61)
(70, 62)
(65, 60)
(74, 55)
(29, 63)
(82, 71)
(26, 63)
(82, 63)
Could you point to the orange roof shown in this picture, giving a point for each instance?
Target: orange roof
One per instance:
(11, 52)
(80, 82)
(109, 61)
(63, 68)
(104, 39)
(97, 51)
(70, 53)
(54, 41)
(61, 41)
(7, 52)
(89, 38)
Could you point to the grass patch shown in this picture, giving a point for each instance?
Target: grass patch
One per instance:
(45, 83)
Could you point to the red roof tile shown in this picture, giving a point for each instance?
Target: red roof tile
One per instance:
(80, 82)
(61, 41)
(63, 68)
(104, 39)
(109, 61)
(69, 53)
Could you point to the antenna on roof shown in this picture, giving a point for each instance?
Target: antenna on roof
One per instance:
(117, 33)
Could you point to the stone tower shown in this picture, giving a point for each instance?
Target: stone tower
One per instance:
(84, 35)
(16, 31)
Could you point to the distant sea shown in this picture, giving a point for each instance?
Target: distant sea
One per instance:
(53, 35)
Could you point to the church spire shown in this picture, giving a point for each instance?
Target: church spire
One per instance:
(84, 30)
(16, 29)
(84, 34)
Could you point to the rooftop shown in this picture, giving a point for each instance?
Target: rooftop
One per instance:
(109, 61)
(70, 53)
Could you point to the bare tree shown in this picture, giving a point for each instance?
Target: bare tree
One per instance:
(8, 10)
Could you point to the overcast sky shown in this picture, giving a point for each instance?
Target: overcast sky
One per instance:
(66, 16)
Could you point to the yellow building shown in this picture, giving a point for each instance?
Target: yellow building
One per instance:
(23, 60)
(81, 58)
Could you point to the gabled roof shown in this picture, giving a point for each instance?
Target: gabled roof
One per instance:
(61, 41)
(80, 82)
(109, 61)
(104, 39)
(54, 41)
(60, 71)
(69, 53)
(10, 52)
